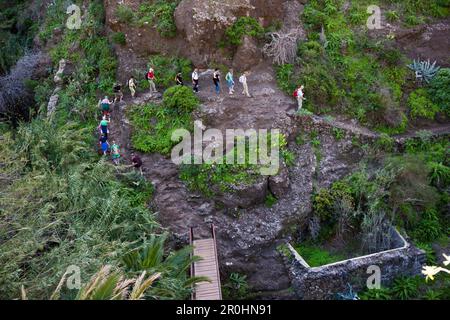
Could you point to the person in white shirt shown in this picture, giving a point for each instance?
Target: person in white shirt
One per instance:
(195, 80)
(300, 97)
(132, 86)
(243, 80)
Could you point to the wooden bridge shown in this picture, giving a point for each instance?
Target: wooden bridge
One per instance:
(208, 267)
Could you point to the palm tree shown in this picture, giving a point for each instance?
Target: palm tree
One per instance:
(174, 282)
(109, 285)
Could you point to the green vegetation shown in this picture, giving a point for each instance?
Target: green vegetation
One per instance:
(411, 288)
(119, 38)
(439, 90)
(243, 26)
(349, 73)
(17, 30)
(366, 201)
(211, 178)
(63, 205)
(270, 200)
(160, 14)
(124, 14)
(154, 124)
(206, 178)
(316, 256)
(166, 68)
(421, 105)
(235, 287)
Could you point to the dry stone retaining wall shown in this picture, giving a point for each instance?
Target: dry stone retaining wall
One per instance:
(325, 281)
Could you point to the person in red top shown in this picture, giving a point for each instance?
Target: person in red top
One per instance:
(151, 79)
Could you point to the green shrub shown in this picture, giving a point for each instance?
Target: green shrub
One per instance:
(153, 125)
(243, 26)
(429, 227)
(376, 294)
(323, 204)
(439, 90)
(385, 142)
(405, 288)
(288, 157)
(392, 16)
(285, 78)
(166, 68)
(338, 133)
(430, 254)
(161, 15)
(119, 38)
(236, 287)
(421, 106)
(439, 174)
(124, 14)
(180, 99)
(270, 200)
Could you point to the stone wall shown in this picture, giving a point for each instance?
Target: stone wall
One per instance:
(325, 281)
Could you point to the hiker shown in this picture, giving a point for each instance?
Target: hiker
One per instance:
(179, 79)
(195, 80)
(104, 145)
(106, 106)
(151, 80)
(298, 94)
(103, 127)
(118, 95)
(115, 153)
(243, 80)
(137, 162)
(230, 81)
(216, 80)
(132, 86)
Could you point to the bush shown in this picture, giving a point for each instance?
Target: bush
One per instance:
(270, 200)
(166, 68)
(119, 38)
(243, 26)
(323, 204)
(181, 99)
(153, 126)
(405, 288)
(421, 106)
(439, 90)
(161, 15)
(285, 78)
(376, 294)
(236, 287)
(385, 142)
(429, 228)
(124, 14)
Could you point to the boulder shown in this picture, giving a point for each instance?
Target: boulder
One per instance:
(247, 55)
(279, 184)
(244, 195)
(203, 23)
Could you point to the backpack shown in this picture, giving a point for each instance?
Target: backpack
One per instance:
(295, 93)
(241, 79)
(146, 76)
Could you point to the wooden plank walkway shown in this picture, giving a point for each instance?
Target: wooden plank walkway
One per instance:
(207, 267)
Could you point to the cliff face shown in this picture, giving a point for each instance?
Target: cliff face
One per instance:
(201, 25)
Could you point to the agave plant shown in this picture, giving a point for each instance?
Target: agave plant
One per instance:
(425, 70)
